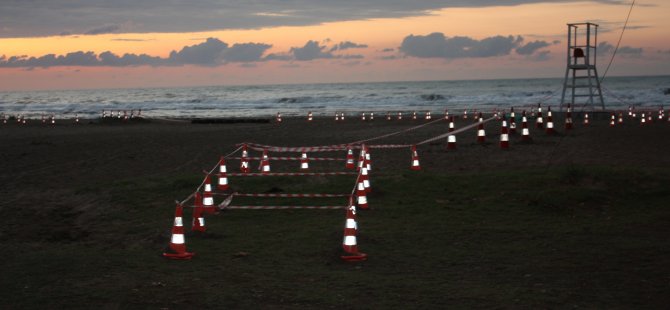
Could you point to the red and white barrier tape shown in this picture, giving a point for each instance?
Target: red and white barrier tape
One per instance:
(294, 158)
(284, 174)
(271, 148)
(285, 207)
(278, 195)
(442, 136)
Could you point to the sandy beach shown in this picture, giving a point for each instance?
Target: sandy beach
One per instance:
(73, 190)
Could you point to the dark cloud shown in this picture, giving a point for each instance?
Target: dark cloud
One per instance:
(310, 51)
(347, 45)
(606, 49)
(52, 17)
(436, 45)
(530, 47)
(212, 52)
(387, 50)
(103, 30)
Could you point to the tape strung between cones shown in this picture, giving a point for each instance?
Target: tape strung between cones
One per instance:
(274, 195)
(293, 158)
(282, 174)
(284, 207)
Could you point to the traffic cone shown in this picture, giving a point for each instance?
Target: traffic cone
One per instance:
(539, 122)
(363, 116)
(620, 118)
(612, 120)
(586, 118)
(342, 116)
(504, 135)
(415, 159)
(643, 119)
(223, 177)
(278, 118)
(309, 116)
(630, 111)
(350, 243)
(451, 139)
(465, 114)
(568, 118)
(372, 116)
(366, 179)
(481, 134)
(361, 158)
(337, 116)
(400, 116)
(304, 162)
(176, 249)
(198, 223)
(446, 114)
(388, 116)
(76, 118)
(550, 122)
(428, 116)
(207, 196)
(414, 115)
(368, 161)
(244, 161)
(525, 133)
(362, 198)
(512, 121)
(350, 159)
(265, 162)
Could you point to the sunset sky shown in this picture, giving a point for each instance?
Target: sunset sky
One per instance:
(73, 44)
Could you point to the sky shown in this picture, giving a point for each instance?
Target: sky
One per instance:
(81, 44)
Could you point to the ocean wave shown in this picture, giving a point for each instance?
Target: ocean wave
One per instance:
(432, 97)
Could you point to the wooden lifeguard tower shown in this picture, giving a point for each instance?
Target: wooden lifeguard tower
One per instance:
(581, 74)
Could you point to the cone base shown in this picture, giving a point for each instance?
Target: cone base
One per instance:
(357, 257)
(416, 168)
(180, 256)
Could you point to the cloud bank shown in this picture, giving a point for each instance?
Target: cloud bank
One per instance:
(54, 17)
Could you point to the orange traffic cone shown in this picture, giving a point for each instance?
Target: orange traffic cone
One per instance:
(525, 133)
(428, 116)
(568, 118)
(539, 122)
(400, 116)
(223, 177)
(350, 159)
(350, 243)
(368, 162)
(337, 116)
(550, 122)
(198, 223)
(361, 158)
(372, 116)
(451, 139)
(481, 134)
(465, 114)
(244, 162)
(586, 118)
(414, 115)
(265, 162)
(309, 116)
(363, 116)
(612, 120)
(362, 198)
(278, 118)
(207, 197)
(504, 135)
(388, 116)
(415, 159)
(643, 119)
(304, 162)
(446, 114)
(177, 247)
(512, 121)
(366, 179)
(620, 120)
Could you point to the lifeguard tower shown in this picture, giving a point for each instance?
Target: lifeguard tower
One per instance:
(581, 76)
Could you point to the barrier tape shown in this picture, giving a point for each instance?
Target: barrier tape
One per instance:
(442, 136)
(294, 158)
(285, 207)
(265, 195)
(283, 174)
(271, 148)
(399, 132)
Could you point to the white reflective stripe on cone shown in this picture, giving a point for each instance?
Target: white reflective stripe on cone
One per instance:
(201, 220)
(178, 221)
(351, 223)
(304, 166)
(451, 139)
(349, 240)
(245, 164)
(223, 181)
(177, 239)
(550, 125)
(222, 169)
(525, 132)
(208, 187)
(415, 162)
(481, 132)
(362, 200)
(208, 201)
(504, 137)
(366, 183)
(266, 168)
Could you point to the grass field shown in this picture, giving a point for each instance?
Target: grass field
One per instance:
(561, 237)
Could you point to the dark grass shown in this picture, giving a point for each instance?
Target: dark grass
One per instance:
(575, 236)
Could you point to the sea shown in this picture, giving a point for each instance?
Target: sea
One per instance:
(650, 92)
